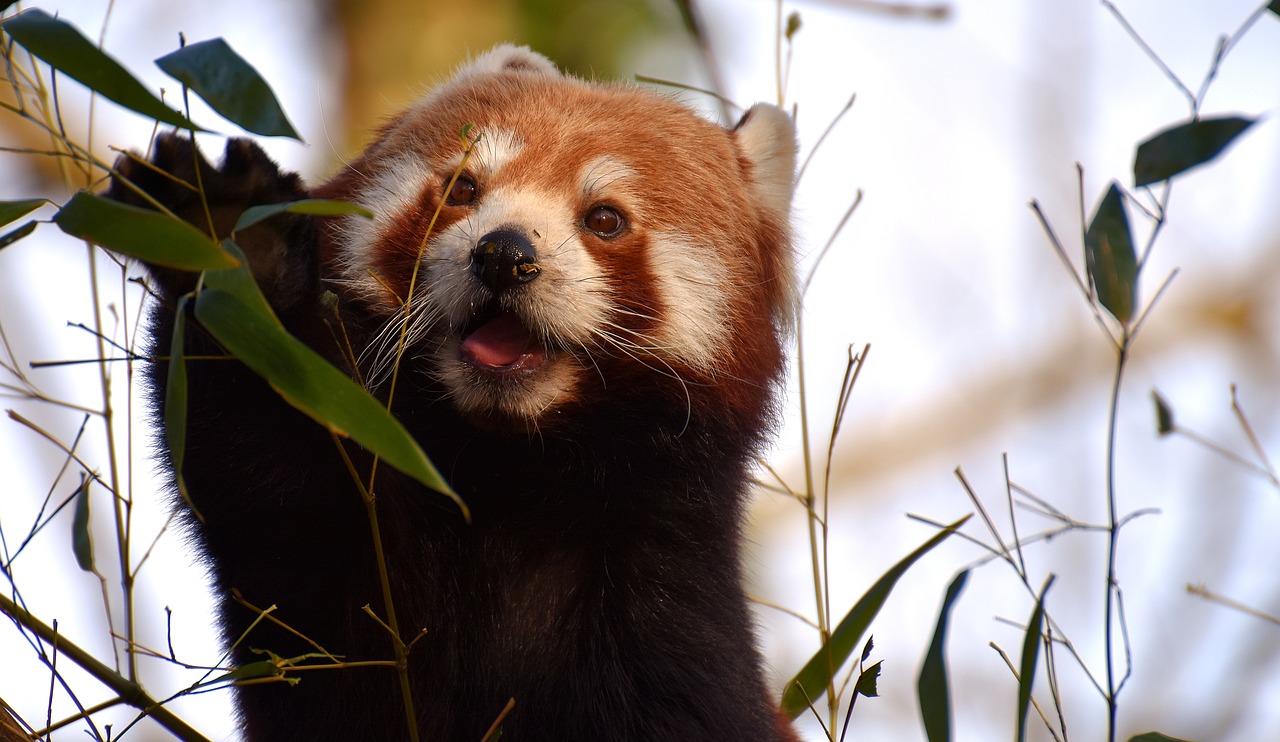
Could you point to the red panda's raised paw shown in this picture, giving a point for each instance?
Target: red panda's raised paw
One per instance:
(281, 250)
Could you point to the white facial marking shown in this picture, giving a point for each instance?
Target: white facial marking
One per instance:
(393, 191)
(692, 283)
(607, 177)
(494, 149)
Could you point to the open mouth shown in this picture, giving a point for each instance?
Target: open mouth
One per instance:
(499, 342)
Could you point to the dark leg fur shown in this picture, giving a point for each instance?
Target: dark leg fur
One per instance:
(598, 585)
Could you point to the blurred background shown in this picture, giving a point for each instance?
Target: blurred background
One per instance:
(982, 348)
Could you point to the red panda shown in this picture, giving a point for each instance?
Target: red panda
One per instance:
(593, 343)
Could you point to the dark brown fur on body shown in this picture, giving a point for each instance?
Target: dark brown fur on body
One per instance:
(598, 585)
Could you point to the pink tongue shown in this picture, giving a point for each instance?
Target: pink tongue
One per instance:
(499, 342)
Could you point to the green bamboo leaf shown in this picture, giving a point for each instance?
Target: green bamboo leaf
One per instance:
(81, 542)
(312, 206)
(1027, 664)
(1274, 6)
(175, 402)
(793, 25)
(11, 210)
(866, 685)
(234, 311)
(1164, 413)
(1184, 146)
(1109, 256)
(230, 85)
(932, 689)
(11, 237)
(251, 671)
(1156, 736)
(158, 239)
(811, 682)
(67, 50)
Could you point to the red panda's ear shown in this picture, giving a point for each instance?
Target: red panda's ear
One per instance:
(767, 137)
(508, 58)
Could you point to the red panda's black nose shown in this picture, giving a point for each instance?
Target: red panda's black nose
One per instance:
(503, 259)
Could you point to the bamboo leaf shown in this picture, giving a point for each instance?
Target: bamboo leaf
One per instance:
(11, 210)
(158, 239)
(1184, 146)
(67, 50)
(793, 25)
(1164, 413)
(81, 541)
(1156, 736)
(1109, 256)
(258, 670)
(11, 237)
(234, 311)
(175, 402)
(1027, 664)
(312, 206)
(230, 85)
(866, 685)
(932, 687)
(811, 682)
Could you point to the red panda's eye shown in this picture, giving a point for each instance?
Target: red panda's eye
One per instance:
(463, 191)
(604, 221)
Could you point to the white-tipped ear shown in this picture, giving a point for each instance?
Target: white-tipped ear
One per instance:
(767, 137)
(508, 58)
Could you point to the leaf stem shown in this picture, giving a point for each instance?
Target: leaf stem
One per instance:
(1113, 533)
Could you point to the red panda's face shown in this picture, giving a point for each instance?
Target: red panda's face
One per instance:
(549, 235)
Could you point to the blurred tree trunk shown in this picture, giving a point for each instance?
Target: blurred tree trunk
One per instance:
(396, 49)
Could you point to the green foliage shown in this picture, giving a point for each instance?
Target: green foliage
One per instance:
(232, 308)
(1184, 146)
(9, 238)
(1027, 664)
(260, 670)
(809, 684)
(1164, 415)
(65, 49)
(1156, 736)
(311, 206)
(157, 238)
(175, 401)
(1109, 257)
(793, 26)
(81, 541)
(866, 685)
(230, 85)
(11, 210)
(932, 687)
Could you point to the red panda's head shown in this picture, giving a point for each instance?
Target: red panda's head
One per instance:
(597, 235)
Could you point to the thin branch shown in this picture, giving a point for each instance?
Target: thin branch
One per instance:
(129, 691)
(1142, 44)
